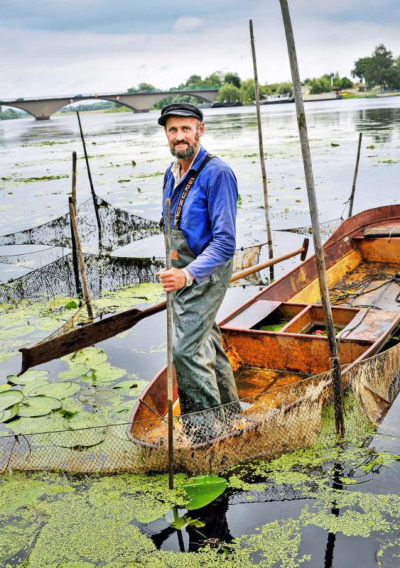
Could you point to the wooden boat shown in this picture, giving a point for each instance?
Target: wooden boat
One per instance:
(280, 357)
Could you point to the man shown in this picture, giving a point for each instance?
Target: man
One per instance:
(203, 193)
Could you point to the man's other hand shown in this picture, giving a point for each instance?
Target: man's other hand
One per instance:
(172, 279)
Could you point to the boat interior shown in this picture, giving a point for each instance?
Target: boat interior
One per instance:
(279, 338)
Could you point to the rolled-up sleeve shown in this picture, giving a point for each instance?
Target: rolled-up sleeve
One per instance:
(222, 207)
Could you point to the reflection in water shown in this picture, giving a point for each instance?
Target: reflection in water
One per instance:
(381, 123)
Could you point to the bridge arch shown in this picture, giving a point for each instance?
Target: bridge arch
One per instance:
(42, 109)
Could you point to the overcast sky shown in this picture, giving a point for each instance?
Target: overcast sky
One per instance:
(51, 47)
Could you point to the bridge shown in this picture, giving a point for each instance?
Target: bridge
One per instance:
(143, 101)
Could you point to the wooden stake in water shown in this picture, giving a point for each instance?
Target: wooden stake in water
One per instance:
(94, 196)
(312, 199)
(353, 191)
(75, 261)
(74, 179)
(74, 226)
(169, 348)
(261, 150)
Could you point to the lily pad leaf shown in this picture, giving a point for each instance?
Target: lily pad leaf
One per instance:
(126, 406)
(4, 388)
(202, 490)
(9, 413)
(56, 390)
(39, 406)
(82, 433)
(10, 397)
(37, 425)
(30, 387)
(73, 372)
(132, 386)
(29, 376)
(104, 373)
(90, 357)
(71, 305)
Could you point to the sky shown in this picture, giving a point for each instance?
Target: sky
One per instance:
(59, 47)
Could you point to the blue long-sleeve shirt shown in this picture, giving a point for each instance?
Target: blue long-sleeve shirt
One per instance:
(208, 219)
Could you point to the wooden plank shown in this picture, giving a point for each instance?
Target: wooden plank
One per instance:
(370, 325)
(252, 315)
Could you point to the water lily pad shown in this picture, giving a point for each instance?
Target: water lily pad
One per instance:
(90, 357)
(31, 387)
(4, 388)
(125, 407)
(29, 376)
(71, 305)
(10, 397)
(104, 373)
(73, 372)
(202, 490)
(56, 390)
(82, 434)
(132, 386)
(37, 425)
(9, 413)
(39, 406)
(102, 396)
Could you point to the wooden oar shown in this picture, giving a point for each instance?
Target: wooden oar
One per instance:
(110, 326)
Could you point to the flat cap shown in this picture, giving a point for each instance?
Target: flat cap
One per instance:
(179, 109)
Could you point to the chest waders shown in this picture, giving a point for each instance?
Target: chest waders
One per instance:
(204, 374)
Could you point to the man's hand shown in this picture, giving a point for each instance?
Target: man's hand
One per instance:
(171, 280)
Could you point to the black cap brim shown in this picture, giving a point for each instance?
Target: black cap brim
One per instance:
(163, 119)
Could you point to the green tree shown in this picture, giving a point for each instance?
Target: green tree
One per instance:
(232, 79)
(285, 88)
(320, 85)
(360, 67)
(229, 93)
(377, 71)
(142, 87)
(345, 83)
(248, 91)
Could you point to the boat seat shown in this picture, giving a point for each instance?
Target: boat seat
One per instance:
(369, 325)
(251, 315)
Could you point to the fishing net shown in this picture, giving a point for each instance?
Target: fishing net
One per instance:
(327, 228)
(276, 421)
(118, 228)
(35, 259)
(59, 278)
(104, 272)
(244, 258)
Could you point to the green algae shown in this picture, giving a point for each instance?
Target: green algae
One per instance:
(102, 529)
(42, 178)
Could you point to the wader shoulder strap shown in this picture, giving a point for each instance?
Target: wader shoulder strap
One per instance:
(177, 216)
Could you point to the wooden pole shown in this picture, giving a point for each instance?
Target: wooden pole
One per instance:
(74, 225)
(75, 262)
(94, 196)
(353, 190)
(169, 348)
(312, 199)
(261, 150)
(74, 179)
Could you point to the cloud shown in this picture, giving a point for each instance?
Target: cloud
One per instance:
(187, 24)
(58, 62)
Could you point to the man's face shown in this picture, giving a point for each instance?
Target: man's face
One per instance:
(183, 133)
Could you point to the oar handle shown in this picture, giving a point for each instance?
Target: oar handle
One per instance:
(257, 267)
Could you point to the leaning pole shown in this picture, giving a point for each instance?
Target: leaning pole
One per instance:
(312, 200)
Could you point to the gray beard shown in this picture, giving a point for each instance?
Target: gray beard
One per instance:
(185, 155)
